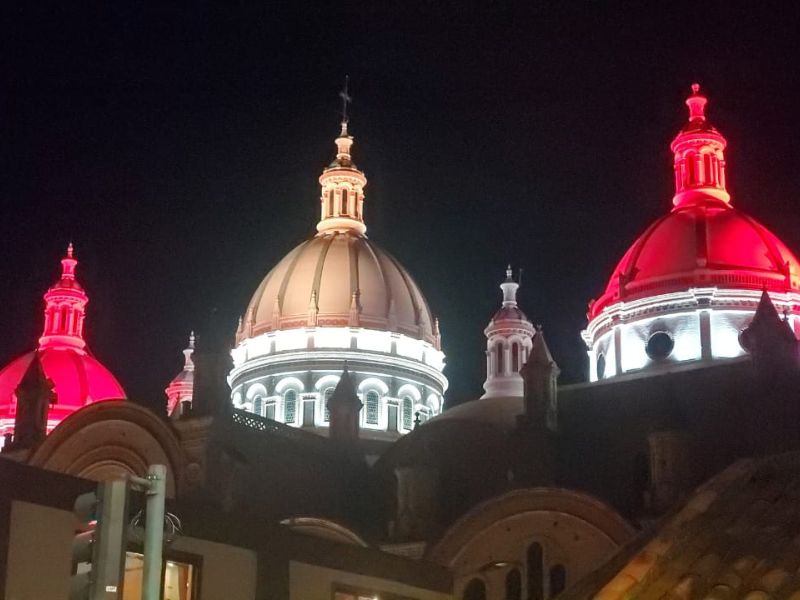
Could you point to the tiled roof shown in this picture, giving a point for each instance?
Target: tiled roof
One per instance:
(738, 536)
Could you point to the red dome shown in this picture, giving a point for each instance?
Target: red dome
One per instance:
(78, 378)
(702, 244)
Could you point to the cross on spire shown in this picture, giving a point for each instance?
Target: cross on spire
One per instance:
(346, 98)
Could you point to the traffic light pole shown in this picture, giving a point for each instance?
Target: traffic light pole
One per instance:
(154, 485)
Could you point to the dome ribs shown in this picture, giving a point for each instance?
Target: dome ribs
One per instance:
(386, 285)
(288, 275)
(410, 288)
(323, 253)
(780, 263)
(259, 293)
(352, 252)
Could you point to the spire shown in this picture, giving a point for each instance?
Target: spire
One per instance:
(342, 196)
(769, 339)
(344, 407)
(65, 306)
(34, 395)
(699, 160)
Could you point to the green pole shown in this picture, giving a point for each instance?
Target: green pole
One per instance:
(154, 531)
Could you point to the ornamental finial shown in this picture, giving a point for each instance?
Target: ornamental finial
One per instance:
(697, 104)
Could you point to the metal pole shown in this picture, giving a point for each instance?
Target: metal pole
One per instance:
(154, 531)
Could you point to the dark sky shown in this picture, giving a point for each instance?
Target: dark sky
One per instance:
(179, 148)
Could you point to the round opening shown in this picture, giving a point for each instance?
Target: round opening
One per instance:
(744, 341)
(601, 366)
(659, 345)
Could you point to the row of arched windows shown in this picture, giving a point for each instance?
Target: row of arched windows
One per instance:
(542, 583)
(371, 409)
(500, 358)
(344, 208)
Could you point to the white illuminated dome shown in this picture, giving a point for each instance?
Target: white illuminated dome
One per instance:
(339, 298)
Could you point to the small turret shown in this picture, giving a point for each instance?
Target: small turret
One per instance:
(180, 389)
(65, 308)
(508, 343)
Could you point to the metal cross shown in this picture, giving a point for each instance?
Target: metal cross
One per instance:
(346, 98)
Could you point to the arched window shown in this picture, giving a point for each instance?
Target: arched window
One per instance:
(373, 406)
(62, 324)
(514, 585)
(501, 351)
(475, 590)
(327, 396)
(258, 406)
(515, 357)
(289, 406)
(558, 580)
(344, 210)
(408, 410)
(535, 574)
(601, 366)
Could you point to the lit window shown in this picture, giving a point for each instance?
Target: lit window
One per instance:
(327, 395)
(290, 406)
(408, 409)
(179, 579)
(373, 406)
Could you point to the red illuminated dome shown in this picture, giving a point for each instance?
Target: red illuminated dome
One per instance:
(707, 243)
(78, 378)
(687, 287)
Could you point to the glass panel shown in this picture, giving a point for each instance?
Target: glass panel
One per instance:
(408, 408)
(290, 406)
(373, 404)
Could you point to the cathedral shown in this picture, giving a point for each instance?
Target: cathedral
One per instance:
(673, 470)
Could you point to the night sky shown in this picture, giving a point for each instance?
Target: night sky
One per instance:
(179, 149)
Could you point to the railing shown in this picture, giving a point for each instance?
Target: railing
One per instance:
(259, 423)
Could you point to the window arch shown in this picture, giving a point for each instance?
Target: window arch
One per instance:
(408, 412)
(326, 395)
(475, 590)
(515, 357)
(558, 580)
(535, 572)
(290, 406)
(513, 585)
(373, 407)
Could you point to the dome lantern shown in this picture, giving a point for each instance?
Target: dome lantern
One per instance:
(65, 307)
(342, 195)
(699, 162)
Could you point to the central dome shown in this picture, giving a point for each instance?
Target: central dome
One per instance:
(335, 278)
(339, 301)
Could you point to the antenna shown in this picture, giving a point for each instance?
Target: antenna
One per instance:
(346, 98)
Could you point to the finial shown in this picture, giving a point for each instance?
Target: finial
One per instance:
(346, 99)
(508, 272)
(697, 104)
(191, 340)
(69, 250)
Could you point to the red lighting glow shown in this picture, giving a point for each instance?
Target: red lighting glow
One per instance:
(704, 241)
(78, 378)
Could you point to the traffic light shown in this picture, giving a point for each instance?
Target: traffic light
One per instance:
(98, 551)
